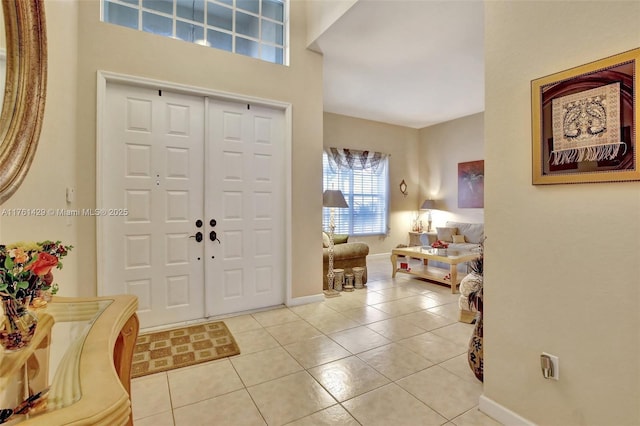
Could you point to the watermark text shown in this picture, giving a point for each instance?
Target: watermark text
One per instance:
(63, 212)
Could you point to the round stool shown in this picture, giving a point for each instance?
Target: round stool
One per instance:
(348, 282)
(339, 279)
(358, 272)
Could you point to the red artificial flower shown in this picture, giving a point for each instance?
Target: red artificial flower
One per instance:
(43, 265)
(48, 278)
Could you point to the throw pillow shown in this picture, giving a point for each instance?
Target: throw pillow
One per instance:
(340, 238)
(458, 239)
(325, 240)
(446, 234)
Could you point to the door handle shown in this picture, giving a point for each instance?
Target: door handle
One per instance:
(214, 237)
(197, 236)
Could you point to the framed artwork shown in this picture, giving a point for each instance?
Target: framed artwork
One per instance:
(584, 123)
(471, 184)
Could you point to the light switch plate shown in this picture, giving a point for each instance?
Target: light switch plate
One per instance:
(71, 194)
(555, 361)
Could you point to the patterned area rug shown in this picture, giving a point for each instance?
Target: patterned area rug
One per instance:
(180, 347)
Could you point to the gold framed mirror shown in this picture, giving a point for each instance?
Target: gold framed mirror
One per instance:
(24, 92)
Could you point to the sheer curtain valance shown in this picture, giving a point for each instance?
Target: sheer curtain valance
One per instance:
(353, 159)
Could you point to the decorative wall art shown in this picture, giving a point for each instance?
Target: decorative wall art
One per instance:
(471, 184)
(403, 188)
(584, 123)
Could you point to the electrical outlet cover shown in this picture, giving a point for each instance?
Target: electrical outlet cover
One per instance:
(556, 366)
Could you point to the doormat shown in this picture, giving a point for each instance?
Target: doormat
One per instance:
(169, 349)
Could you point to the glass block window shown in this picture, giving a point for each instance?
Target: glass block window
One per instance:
(256, 28)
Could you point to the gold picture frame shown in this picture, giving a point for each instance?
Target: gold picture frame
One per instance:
(584, 123)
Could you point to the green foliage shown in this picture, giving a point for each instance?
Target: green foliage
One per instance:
(25, 267)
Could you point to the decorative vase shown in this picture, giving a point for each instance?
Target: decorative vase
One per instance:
(348, 282)
(40, 299)
(339, 279)
(17, 325)
(475, 354)
(358, 273)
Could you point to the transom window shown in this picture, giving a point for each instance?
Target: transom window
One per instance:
(365, 190)
(256, 28)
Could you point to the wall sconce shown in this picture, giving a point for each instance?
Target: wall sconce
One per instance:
(403, 188)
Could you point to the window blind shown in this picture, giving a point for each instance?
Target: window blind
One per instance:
(366, 194)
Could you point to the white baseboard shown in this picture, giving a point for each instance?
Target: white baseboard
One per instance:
(379, 256)
(501, 413)
(296, 301)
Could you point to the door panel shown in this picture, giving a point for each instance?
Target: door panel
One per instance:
(159, 164)
(153, 165)
(245, 194)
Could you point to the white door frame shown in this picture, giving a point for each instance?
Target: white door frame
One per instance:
(107, 76)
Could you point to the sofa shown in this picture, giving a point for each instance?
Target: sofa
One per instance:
(346, 255)
(459, 236)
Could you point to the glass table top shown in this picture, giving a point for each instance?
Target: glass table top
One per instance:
(448, 252)
(52, 376)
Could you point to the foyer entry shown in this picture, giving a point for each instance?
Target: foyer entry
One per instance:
(193, 190)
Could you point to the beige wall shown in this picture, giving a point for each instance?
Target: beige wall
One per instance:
(442, 147)
(68, 153)
(562, 262)
(402, 144)
(54, 165)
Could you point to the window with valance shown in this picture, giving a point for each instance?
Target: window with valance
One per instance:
(363, 178)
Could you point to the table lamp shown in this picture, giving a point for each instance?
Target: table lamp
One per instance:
(428, 205)
(332, 198)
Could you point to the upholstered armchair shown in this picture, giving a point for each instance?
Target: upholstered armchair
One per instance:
(346, 255)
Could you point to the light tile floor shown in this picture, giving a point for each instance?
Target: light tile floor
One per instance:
(391, 354)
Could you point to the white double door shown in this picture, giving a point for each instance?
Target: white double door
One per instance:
(193, 192)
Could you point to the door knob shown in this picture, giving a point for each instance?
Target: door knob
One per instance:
(214, 237)
(197, 236)
(199, 223)
(213, 222)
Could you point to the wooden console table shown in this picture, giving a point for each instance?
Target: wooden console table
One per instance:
(81, 353)
(414, 237)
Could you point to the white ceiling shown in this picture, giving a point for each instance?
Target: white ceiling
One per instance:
(413, 63)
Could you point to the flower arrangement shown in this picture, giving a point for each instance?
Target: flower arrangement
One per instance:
(475, 354)
(25, 268)
(439, 244)
(476, 267)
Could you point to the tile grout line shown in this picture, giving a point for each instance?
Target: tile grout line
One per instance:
(365, 305)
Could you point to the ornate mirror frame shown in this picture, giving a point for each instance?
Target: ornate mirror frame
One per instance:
(25, 91)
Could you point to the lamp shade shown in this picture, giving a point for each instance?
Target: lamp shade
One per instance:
(428, 205)
(333, 198)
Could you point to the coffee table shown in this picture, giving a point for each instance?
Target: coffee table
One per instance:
(433, 273)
